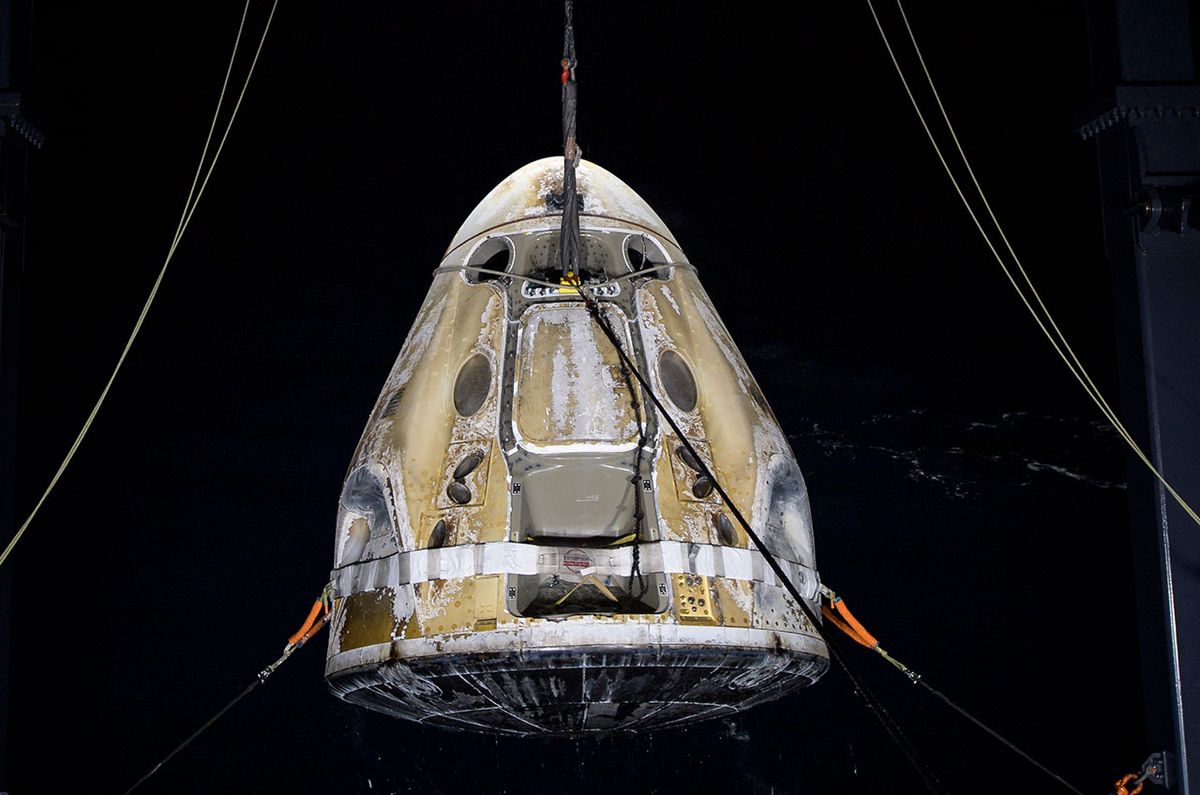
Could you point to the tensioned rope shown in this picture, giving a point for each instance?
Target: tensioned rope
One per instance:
(629, 367)
(572, 278)
(873, 704)
(1052, 333)
(189, 207)
(835, 651)
(840, 616)
(317, 618)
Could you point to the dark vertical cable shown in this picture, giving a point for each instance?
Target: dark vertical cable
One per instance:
(860, 688)
(569, 246)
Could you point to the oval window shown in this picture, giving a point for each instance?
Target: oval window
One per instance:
(677, 380)
(363, 514)
(472, 385)
(492, 255)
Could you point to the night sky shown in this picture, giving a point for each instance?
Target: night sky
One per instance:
(968, 501)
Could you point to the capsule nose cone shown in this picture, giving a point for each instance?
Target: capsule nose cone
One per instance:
(535, 191)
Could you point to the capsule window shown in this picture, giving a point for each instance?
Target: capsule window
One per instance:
(493, 254)
(637, 257)
(789, 519)
(677, 380)
(364, 514)
(644, 252)
(472, 385)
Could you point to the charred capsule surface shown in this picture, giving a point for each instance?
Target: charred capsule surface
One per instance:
(486, 534)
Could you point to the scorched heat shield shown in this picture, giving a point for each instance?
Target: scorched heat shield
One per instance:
(492, 572)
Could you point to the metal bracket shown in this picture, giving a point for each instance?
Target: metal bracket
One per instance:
(1159, 768)
(1166, 209)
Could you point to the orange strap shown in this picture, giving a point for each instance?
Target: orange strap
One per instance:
(833, 618)
(855, 629)
(311, 625)
(1123, 782)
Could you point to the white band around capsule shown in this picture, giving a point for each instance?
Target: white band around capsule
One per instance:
(508, 557)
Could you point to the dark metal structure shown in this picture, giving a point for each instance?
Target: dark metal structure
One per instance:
(17, 137)
(1147, 133)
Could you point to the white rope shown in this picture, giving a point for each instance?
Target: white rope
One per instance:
(1059, 342)
(1091, 386)
(211, 128)
(224, 136)
(188, 209)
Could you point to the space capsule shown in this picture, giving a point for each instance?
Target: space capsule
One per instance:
(523, 544)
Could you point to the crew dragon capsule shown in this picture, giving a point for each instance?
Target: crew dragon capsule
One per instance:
(523, 544)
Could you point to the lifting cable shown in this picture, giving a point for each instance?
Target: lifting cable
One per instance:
(1047, 324)
(572, 278)
(872, 703)
(189, 207)
(571, 256)
(569, 244)
(318, 616)
(840, 615)
(639, 510)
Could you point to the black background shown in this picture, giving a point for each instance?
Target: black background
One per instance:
(968, 502)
